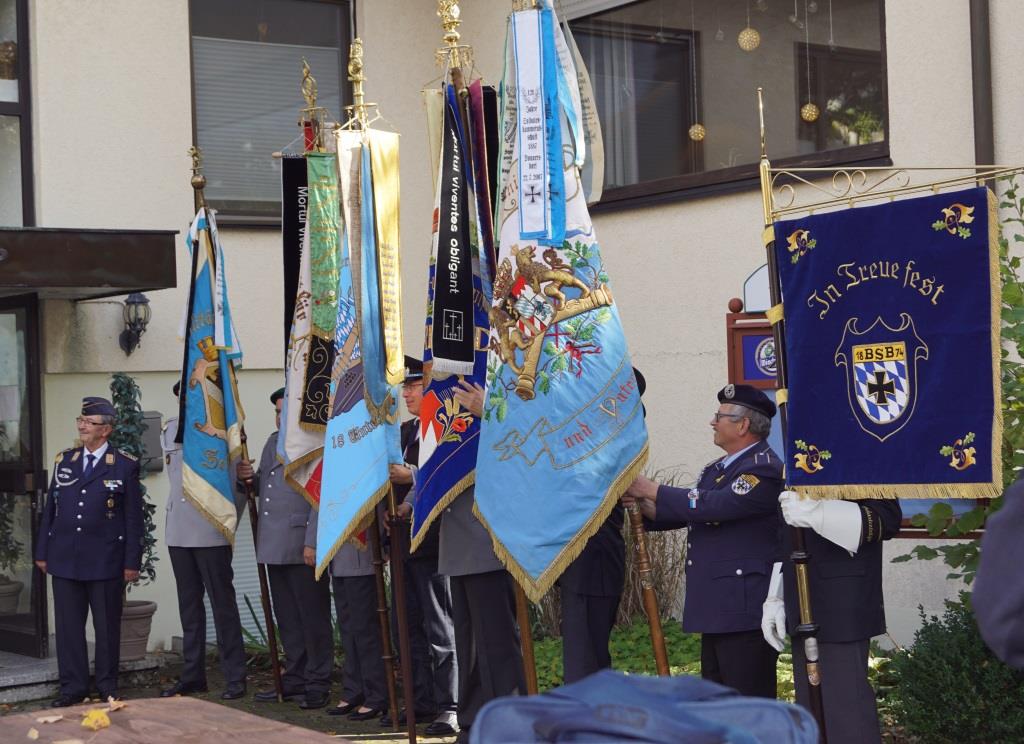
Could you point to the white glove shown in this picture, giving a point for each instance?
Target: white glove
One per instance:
(836, 521)
(773, 612)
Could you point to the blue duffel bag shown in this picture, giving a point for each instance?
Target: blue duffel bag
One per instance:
(611, 706)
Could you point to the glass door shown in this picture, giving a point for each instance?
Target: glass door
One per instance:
(23, 613)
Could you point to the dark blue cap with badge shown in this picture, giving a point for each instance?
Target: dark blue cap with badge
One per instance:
(92, 406)
(749, 397)
(276, 395)
(413, 369)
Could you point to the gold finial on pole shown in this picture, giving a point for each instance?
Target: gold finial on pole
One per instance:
(309, 89)
(198, 179)
(452, 54)
(358, 112)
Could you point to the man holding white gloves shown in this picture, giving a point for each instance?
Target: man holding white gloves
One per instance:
(844, 540)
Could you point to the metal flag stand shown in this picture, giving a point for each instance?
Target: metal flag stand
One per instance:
(782, 192)
(359, 120)
(198, 184)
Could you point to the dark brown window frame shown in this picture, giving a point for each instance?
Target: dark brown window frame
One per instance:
(238, 218)
(23, 111)
(745, 177)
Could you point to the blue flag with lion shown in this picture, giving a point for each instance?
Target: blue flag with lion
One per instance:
(892, 328)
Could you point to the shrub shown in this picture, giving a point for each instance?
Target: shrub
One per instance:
(951, 688)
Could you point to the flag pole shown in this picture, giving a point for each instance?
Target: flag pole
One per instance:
(807, 631)
(455, 56)
(198, 184)
(643, 570)
(398, 527)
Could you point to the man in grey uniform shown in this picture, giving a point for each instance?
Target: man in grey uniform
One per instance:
(201, 559)
(363, 694)
(286, 543)
(490, 658)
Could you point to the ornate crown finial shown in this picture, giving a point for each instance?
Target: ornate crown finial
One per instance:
(198, 179)
(308, 85)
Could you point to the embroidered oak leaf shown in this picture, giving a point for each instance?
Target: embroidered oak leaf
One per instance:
(955, 219)
(960, 455)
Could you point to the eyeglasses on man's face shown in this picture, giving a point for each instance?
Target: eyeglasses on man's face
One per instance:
(89, 422)
(734, 416)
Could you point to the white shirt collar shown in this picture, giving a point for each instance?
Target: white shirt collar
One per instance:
(97, 454)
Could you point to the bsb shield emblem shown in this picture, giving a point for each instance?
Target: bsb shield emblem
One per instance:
(881, 373)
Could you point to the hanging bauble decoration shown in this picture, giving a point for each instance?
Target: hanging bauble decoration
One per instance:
(749, 39)
(698, 132)
(809, 112)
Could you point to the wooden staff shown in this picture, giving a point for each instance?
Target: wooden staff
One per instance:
(807, 630)
(387, 653)
(526, 638)
(198, 184)
(643, 569)
(399, 550)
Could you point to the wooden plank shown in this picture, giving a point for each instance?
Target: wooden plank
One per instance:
(161, 721)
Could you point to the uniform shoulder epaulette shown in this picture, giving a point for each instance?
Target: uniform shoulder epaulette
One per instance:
(60, 455)
(129, 455)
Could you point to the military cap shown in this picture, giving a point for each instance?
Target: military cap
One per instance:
(748, 397)
(413, 369)
(93, 406)
(176, 389)
(641, 386)
(276, 395)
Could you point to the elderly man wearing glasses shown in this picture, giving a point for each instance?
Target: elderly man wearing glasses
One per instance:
(90, 542)
(732, 542)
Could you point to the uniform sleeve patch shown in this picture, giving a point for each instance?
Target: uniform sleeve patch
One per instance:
(745, 484)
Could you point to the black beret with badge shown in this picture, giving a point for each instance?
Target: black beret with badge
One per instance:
(748, 397)
(93, 406)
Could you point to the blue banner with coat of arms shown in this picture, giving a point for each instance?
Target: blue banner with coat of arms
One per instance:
(892, 344)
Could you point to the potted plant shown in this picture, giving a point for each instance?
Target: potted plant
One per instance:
(137, 615)
(10, 552)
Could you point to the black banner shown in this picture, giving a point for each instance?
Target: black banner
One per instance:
(452, 338)
(294, 200)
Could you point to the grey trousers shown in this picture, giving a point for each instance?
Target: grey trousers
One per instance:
(199, 572)
(302, 607)
(486, 641)
(363, 680)
(851, 713)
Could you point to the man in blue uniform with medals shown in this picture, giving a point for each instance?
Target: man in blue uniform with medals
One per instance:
(90, 542)
(733, 540)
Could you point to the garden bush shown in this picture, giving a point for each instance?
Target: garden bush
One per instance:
(950, 688)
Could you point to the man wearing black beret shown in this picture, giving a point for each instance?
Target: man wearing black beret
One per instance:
(90, 543)
(732, 516)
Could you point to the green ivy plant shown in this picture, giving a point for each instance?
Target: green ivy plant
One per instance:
(962, 557)
(127, 436)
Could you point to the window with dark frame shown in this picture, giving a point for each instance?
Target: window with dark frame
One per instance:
(16, 198)
(660, 67)
(247, 68)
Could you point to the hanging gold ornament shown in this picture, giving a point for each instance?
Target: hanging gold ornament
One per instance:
(749, 39)
(698, 132)
(809, 112)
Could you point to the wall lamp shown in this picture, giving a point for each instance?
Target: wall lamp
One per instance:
(136, 315)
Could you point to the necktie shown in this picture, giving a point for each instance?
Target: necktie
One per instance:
(89, 460)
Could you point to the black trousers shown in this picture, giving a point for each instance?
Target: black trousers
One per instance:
(355, 599)
(431, 635)
(72, 602)
(486, 641)
(743, 661)
(851, 712)
(302, 607)
(199, 572)
(587, 622)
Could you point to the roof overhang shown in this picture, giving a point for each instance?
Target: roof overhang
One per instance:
(69, 264)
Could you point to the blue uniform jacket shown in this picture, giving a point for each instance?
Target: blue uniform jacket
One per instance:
(732, 542)
(91, 528)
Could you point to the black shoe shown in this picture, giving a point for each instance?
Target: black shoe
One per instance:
(314, 700)
(463, 736)
(445, 725)
(233, 692)
(184, 688)
(65, 700)
(421, 716)
(343, 709)
(366, 715)
(270, 696)
(105, 696)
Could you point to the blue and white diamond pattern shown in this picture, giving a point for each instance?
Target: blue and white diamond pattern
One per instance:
(897, 395)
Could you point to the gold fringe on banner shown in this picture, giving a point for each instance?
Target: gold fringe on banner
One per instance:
(443, 503)
(536, 589)
(357, 525)
(995, 304)
(903, 491)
